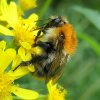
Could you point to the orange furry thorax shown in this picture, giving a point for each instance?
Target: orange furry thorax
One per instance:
(70, 38)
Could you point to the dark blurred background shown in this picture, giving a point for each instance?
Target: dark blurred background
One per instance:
(81, 77)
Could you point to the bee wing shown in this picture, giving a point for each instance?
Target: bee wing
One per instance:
(56, 69)
(58, 74)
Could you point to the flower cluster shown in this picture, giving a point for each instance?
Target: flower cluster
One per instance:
(13, 24)
(7, 77)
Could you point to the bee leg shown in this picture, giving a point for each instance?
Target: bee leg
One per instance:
(25, 63)
(38, 34)
(22, 64)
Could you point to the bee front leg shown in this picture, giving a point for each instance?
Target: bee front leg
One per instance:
(22, 64)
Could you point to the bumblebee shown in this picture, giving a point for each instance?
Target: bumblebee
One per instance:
(59, 42)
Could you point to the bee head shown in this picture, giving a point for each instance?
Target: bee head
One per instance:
(56, 22)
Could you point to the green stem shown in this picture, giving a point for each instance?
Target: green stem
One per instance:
(45, 7)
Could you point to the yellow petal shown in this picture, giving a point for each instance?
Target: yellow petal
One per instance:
(24, 93)
(33, 17)
(20, 71)
(17, 60)
(36, 50)
(6, 31)
(6, 58)
(5, 10)
(31, 68)
(9, 12)
(9, 97)
(50, 86)
(31, 21)
(14, 13)
(2, 45)
(26, 45)
(25, 55)
(2, 18)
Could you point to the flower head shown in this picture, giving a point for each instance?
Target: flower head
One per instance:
(55, 92)
(27, 4)
(21, 29)
(7, 77)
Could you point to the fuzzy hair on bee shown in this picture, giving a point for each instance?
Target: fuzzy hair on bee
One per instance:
(58, 43)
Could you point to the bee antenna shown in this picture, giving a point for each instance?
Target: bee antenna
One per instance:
(40, 28)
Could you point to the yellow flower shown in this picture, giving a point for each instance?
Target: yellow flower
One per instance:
(55, 92)
(27, 4)
(7, 77)
(21, 29)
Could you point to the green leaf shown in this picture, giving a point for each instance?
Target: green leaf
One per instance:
(92, 42)
(92, 15)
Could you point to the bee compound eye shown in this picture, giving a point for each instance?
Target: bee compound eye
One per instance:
(57, 20)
